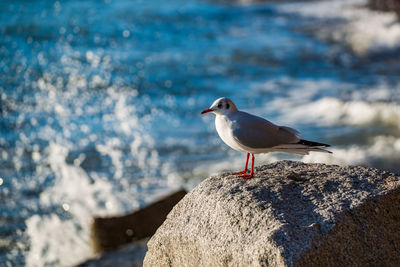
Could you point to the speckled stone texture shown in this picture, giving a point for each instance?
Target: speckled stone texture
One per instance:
(289, 214)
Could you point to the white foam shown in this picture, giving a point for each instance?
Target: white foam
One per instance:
(65, 242)
(362, 29)
(383, 151)
(61, 238)
(379, 148)
(332, 111)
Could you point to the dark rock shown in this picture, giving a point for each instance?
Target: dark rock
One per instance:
(113, 232)
(385, 5)
(128, 256)
(333, 216)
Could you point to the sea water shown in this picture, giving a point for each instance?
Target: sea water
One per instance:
(100, 102)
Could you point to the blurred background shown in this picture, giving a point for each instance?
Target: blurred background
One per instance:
(100, 102)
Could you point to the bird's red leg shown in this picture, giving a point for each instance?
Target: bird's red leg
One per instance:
(248, 176)
(245, 166)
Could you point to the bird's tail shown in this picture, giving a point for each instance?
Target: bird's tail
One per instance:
(312, 144)
(303, 147)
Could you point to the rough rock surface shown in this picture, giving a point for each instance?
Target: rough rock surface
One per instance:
(289, 214)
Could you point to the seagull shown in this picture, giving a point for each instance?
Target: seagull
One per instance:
(248, 133)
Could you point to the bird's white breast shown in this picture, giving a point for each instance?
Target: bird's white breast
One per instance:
(224, 128)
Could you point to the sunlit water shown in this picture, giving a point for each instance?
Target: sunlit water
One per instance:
(101, 100)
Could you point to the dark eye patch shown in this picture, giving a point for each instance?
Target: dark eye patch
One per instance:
(227, 105)
(219, 105)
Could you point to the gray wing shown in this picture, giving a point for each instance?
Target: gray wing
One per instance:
(256, 132)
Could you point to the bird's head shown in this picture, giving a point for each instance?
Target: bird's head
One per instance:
(222, 106)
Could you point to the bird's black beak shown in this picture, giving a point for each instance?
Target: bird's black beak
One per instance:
(207, 110)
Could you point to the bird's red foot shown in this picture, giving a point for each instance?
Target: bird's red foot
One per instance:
(244, 172)
(246, 176)
(240, 172)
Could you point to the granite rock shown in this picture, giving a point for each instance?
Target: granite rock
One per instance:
(289, 214)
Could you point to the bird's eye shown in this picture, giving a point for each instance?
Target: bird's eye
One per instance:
(227, 105)
(219, 105)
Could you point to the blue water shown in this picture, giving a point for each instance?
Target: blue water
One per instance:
(100, 107)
